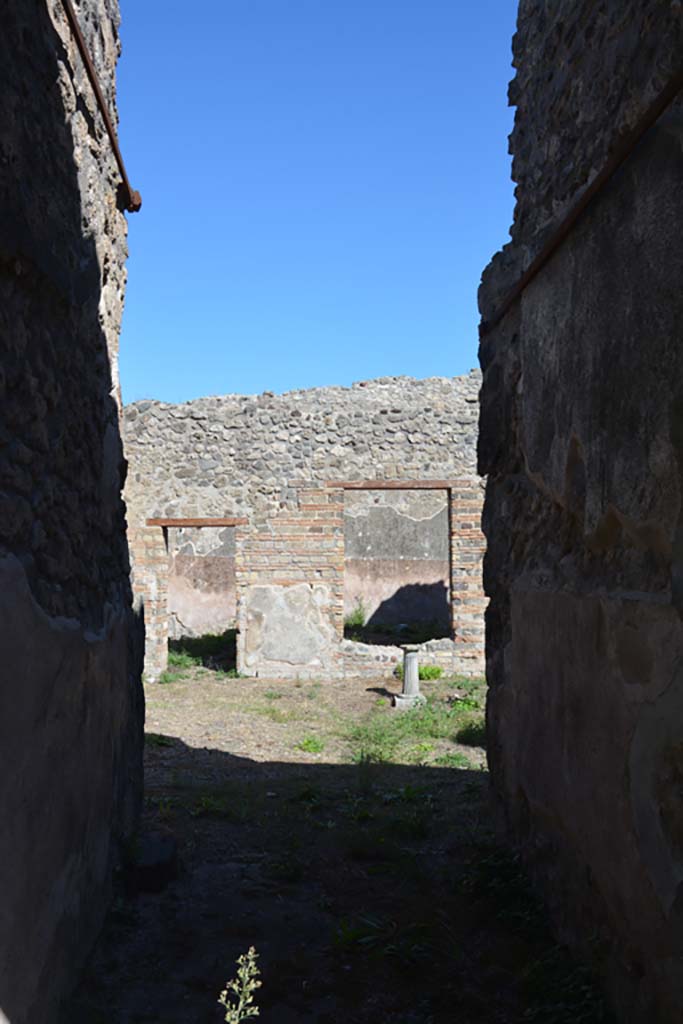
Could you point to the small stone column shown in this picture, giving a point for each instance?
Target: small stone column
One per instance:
(410, 695)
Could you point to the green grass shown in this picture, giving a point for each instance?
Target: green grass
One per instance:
(387, 735)
(169, 677)
(423, 672)
(557, 989)
(181, 659)
(455, 759)
(220, 805)
(311, 745)
(217, 651)
(153, 739)
(356, 618)
(273, 713)
(472, 733)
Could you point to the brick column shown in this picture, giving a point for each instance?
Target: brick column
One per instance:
(468, 601)
(289, 573)
(149, 579)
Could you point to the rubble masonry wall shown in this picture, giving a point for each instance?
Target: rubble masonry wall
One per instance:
(581, 439)
(249, 456)
(71, 714)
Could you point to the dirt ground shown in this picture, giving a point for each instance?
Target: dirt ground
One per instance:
(353, 847)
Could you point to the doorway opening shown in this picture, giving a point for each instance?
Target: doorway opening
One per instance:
(201, 591)
(396, 566)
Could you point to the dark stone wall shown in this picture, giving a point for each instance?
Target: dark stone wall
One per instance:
(580, 438)
(71, 707)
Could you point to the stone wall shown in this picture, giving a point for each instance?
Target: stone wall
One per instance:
(71, 704)
(249, 455)
(581, 441)
(290, 592)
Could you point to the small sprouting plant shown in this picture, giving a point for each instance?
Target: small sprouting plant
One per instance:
(165, 808)
(430, 672)
(210, 806)
(230, 673)
(454, 759)
(311, 745)
(238, 995)
(168, 677)
(183, 660)
(423, 671)
(356, 618)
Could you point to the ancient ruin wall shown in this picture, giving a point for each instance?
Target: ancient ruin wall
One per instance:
(71, 715)
(248, 455)
(581, 441)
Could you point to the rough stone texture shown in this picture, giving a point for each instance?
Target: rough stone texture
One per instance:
(71, 714)
(242, 455)
(250, 455)
(290, 591)
(287, 630)
(581, 441)
(378, 661)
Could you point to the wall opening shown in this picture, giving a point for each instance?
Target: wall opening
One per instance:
(190, 592)
(396, 566)
(201, 580)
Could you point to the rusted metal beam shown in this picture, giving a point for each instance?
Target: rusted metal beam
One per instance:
(391, 485)
(166, 523)
(132, 199)
(622, 151)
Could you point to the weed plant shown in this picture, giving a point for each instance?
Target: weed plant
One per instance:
(311, 745)
(153, 739)
(217, 651)
(472, 733)
(425, 672)
(390, 736)
(237, 997)
(356, 618)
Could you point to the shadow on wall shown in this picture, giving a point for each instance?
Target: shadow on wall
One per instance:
(71, 706)
(416, 603)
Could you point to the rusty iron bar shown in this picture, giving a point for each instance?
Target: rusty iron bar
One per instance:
(621, 153)
(133, 199)
(391, 485)
(197, 522)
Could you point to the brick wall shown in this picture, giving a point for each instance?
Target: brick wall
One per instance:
(468, 602)
(290, 592)
(149, 577)
(290, 588)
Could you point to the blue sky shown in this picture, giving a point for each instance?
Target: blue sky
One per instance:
(323, 182)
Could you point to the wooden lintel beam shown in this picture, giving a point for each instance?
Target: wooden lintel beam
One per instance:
(392, 485)
(197, 522)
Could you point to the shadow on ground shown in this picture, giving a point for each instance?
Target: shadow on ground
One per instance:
(373, 893)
